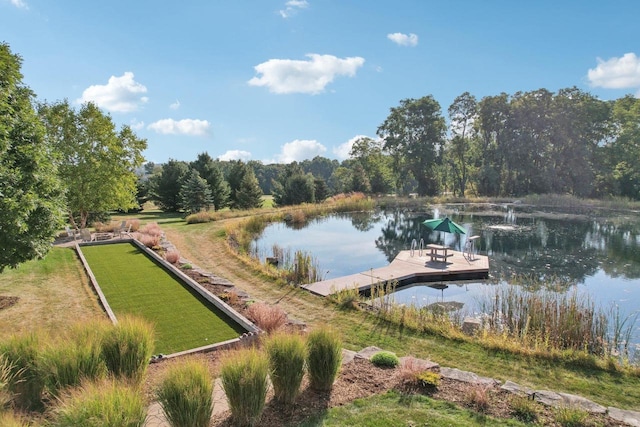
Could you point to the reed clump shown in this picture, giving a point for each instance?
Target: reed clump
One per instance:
(185, 394)
(324, 357)
(286, 353)
(244, 380)
(106, 403)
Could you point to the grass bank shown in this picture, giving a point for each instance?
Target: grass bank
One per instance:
(135, 284)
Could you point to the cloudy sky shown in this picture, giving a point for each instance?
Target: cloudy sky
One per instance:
(278, 81)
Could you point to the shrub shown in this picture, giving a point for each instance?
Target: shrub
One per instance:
(324, 355)
(66, 363)
(185, 394)
(148, 240)
(286, 354)
(25, 385)
(152, 229)
(568, 416)
(478, 397)
(244, 380)
(524, 409)
(172, 257)
(230, 297)
(186, 266)
(428, 379)
(200, 217)
(134, 223)
(347, 298)
(127, 348)
(103, 404)
(269, 318)
(385, 359)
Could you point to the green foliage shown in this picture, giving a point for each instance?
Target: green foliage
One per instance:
(244, 380)
(127, 348)
(324, 357)
(26, 385)
(7, 375)
(293, 186)
(185, 394)
(287, 353)
(249, 193)
(195, 194)
(347, 298)
(385, 359)
(524, 408)
(31, 197)
(96, 162)
(102, 404)
(428, 379)
(65, 363)
(209, 169)
(568, 416)
(165, 187)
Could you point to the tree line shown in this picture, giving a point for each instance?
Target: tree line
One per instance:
(62, 164)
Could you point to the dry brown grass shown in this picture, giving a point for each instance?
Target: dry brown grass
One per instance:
(269, 318)
(172, 256)
(48, 301)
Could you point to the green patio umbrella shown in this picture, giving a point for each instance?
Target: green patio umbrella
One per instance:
(444, 224)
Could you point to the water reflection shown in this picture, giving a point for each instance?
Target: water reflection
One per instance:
(599, 255)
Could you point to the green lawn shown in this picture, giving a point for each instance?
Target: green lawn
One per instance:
(135, 284)
(394, 409)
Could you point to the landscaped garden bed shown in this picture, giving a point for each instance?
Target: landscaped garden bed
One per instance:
(134, 283)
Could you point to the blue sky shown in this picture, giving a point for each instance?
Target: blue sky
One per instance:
(278, 81)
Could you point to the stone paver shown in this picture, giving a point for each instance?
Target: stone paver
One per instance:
(467, 377)
(630, 417)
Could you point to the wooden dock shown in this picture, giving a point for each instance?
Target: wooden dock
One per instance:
(406, 269)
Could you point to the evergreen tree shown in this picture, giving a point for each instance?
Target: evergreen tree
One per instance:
(195, 194)
(209, 170)
(165, 187)
(249, 194)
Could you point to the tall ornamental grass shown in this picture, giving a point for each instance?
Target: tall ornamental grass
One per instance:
(11, 419)
(66, 363)
(186, 394)
(100, 404)
(21, 352)
(244, 380)
(128, 347)
(545, 319)
(324, 357)
(6, 378)
(287, 353)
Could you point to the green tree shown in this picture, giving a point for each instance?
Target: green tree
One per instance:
(377, 166)
(293, 186)
(195, 194)
(165, 187)
(623, 152)
(96, 163)
(321, 189)
(359, 180)
(31, 202)
(462, 114)
(234, 178)
(211, 172)
(249, 194)
(414, 133)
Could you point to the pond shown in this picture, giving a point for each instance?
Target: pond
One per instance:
(595, 254)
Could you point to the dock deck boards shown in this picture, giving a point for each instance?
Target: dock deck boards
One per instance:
(407, 267)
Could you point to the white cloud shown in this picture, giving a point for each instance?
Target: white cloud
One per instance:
(175, 105)
(342, 150)
(121, 94)
(294, 76)
(136, 125)
(299, 150)
(19, 3)
(403, 39)
(292, 7)
(235, 155)
(616, 73)
(192, 127)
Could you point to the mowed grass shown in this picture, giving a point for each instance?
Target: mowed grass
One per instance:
(394, 409)
(53, 292)
(135, 284)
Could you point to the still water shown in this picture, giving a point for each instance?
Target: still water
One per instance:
(594, 254)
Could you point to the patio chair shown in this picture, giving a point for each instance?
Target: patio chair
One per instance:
(71, 232)
(86, 235)
(124, 229)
